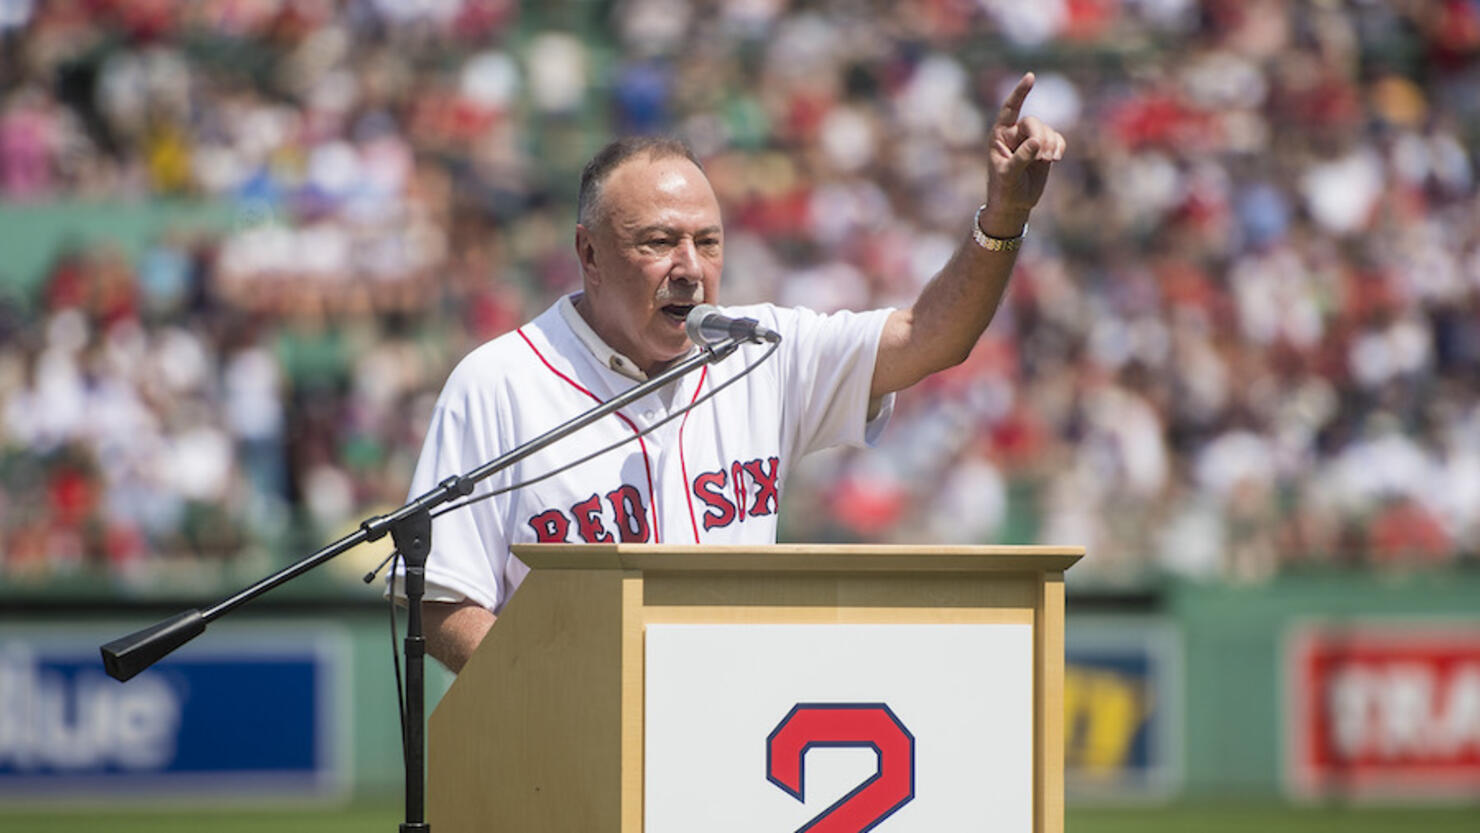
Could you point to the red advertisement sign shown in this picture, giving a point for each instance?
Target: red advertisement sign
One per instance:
(1385, 711)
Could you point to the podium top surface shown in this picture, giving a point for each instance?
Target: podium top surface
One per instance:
(810, 558)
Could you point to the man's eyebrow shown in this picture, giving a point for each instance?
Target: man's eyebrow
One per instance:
(673, 230)
(656, 227)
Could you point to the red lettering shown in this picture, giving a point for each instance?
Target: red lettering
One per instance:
(768, 493)
(588, 521)
(737, 478)
(709, 487)
(631, 515)
(550, 526)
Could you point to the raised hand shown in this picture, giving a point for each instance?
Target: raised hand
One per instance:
(1022, 151)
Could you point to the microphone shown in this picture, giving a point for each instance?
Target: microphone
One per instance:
(706, 325)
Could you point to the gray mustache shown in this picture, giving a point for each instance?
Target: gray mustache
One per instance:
(668, 296)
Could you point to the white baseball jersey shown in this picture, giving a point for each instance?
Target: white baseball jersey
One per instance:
(713, 475)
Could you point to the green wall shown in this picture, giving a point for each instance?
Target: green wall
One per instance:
(33, 234)
(1233, 645)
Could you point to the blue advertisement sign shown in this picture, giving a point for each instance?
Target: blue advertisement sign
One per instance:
(248, 711)
(1122, 709)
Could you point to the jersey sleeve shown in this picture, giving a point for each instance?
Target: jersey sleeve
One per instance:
(469, 544)
(827, 373)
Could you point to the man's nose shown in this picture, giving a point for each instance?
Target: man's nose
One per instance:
(686, 260)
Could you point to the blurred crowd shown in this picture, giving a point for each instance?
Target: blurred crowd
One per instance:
(1243, 338)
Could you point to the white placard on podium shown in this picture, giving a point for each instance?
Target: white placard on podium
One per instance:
(776, 727)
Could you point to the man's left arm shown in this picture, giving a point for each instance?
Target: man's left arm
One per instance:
(944, 323)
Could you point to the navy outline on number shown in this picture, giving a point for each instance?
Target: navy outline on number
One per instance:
(800, 793)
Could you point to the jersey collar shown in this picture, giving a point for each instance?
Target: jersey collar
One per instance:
(599, 348)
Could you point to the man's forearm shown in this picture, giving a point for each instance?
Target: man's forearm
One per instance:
(455, 630)
(944, 323)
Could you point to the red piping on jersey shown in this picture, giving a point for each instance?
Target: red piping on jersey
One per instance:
(646, 461)
(683, 464)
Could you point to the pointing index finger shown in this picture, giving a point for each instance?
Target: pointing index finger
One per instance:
(1008, 115)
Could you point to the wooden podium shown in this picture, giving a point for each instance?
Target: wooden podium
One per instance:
(546, 730)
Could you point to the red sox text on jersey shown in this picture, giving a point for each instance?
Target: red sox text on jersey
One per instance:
(729, 494)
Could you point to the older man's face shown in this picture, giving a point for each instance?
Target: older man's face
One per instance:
(655, 250)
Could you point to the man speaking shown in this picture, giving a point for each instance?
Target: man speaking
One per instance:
(651, 246)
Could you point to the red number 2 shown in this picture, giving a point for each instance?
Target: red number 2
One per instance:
(845, 724)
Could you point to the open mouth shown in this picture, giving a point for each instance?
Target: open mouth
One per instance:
(678, 312)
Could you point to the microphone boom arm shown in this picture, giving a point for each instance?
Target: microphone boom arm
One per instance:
(127, 656)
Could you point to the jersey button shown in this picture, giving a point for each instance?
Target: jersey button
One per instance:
(649, 415)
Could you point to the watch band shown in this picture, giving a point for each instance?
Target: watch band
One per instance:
(994, 244)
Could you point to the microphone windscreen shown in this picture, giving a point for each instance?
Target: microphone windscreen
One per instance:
(693, 323)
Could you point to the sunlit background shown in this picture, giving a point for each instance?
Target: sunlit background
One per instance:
(242, 242)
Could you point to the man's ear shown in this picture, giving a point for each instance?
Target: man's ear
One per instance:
(586, 254)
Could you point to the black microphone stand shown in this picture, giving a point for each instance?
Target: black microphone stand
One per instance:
(410, 528)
